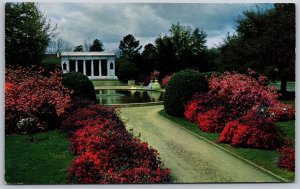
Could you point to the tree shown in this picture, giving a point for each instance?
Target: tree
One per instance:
(265, 42)
(149, 56)
(27, 34)
(58, 45)
(183, 48)
(129, 46)
(78, 48)
(97, 46)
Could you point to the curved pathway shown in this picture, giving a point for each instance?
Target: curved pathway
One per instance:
(189, 158)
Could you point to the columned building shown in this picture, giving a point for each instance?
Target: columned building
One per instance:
(95, 65)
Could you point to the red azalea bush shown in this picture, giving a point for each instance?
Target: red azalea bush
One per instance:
(107, 153)
(212, 120)
(287, 158)
(252, 130)
(166, 80)
(281, 111)
(242, 92)
(200, 103)
(28, 94)
(84, 110)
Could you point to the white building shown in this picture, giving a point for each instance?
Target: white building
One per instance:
(95, 65)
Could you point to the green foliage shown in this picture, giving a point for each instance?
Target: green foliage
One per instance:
(27, 34)
(129, 46)
(80, 84)
(96, 46)
(41, 162)
(127, 71)
(181, 88)
(265, 42)
(183, 48)
(50, 63)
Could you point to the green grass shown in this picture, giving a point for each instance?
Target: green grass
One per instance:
(264, 158)
(43, 162)
(290, 86)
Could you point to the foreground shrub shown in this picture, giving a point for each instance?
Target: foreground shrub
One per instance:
(181, 89)
(33, 96)
(80, 84)
(287, 158)
(107, 153)
(127, 71)
(252, 130)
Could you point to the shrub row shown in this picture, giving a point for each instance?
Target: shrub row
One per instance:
(106, 153)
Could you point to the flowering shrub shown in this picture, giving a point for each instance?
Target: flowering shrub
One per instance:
(252, 130)
(212, 121)
(281, 111)
(242, 94)
(28, 94)
(166, 80)
(287, 158)
(75, 118)
(107, 153)
(200, 103)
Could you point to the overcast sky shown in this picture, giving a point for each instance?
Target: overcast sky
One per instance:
(111, 22)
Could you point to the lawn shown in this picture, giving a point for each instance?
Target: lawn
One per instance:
(43, 162)
(264, 158)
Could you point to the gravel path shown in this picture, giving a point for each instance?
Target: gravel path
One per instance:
(189, 158)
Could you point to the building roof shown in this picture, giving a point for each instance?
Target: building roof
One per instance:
(87, 54)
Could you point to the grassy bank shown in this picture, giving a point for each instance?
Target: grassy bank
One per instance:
(264, 158)
(43, 162)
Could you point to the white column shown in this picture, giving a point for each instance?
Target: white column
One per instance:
(76, 65)
(100, 74)
(84, 68)
(92, 65)
(68, 65)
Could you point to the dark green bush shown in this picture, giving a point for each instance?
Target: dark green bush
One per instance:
(80, 84)
(181, 88)
(127, 71)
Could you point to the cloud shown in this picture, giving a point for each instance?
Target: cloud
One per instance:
(110, 22)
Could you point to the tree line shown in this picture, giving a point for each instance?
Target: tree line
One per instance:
(264, 41)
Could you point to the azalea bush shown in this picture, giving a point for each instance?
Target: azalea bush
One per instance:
(212, 121)
(82, 110)
(242, 92)
(244, 111)
(253, 130)
(29, 94)
(287, 158)
(106, 153)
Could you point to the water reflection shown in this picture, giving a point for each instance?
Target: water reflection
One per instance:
(120, 96)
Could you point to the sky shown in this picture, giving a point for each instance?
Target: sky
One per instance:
(110, 22)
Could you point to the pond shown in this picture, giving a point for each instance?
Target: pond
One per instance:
(123, 96)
